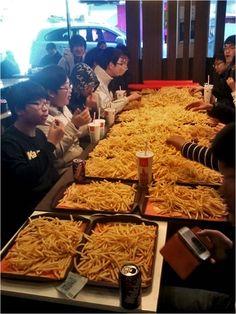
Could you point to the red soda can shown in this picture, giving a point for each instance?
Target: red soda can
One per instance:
(78, 166)
(130, 286)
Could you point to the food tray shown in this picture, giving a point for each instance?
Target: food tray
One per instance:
(8, 272)
(147, 207)
(117, 246)
(82, 210)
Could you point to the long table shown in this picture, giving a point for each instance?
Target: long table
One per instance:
(101, 298)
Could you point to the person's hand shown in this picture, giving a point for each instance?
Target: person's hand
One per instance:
(195, 90)
(213, 122)
(176, 140)
(231, 83)
(198, 105)
(56, 132)
(216, 130)
(219, 127)
(220, 244)
(91, 101)
(134, 96)
(81, 118)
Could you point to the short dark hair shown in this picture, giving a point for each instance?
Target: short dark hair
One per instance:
(219, 56)
(108, 55)
(230, 40)
(51, 77)
(92, 56)
(20, 95)
(223, 146)
(77, 40)
(50, 46)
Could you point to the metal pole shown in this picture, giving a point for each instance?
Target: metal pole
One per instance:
(68, 20)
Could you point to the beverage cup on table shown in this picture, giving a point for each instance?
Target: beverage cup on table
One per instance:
(94, 132)
(207, 92)
(110, 116)
(144, 163)
(120, 93)
(101, 122)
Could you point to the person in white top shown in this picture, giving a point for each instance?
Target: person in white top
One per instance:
(111, 63)
(55, 81)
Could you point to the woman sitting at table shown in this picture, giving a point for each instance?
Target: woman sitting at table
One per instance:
(27, 157)
(54, 79)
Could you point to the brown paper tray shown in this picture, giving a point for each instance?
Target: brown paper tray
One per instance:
(147, 209)
(14, 275)
(105, 219)
(88, 180)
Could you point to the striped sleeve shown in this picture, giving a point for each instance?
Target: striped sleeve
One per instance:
(200, 154)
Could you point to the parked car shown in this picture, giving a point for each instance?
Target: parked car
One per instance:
(59, 35)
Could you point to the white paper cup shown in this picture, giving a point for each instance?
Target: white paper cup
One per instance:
(144, 164)
(110, 116)
(207, 92)
(120, 93)
(94, 132)
(101, 123)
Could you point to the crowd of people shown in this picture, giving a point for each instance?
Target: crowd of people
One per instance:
(52, 109)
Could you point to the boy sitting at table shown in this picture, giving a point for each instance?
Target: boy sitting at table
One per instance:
(27, 162)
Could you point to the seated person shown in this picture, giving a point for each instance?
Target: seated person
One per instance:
(74, 55)
(54, 79)
(27, 158)
(111, 63)
(121, 82)
(84, 82)
(223, 109)
(52, 57)
(175, 299)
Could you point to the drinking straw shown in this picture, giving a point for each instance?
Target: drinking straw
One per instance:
(145, 152)
(94, 116)
(208, 79)
(120, 87)
(99, 113)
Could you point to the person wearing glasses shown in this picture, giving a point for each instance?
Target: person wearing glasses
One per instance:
(111, 63)
(27, 158)
(54, 79)
(222, 109)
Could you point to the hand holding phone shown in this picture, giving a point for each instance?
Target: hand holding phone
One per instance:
(194, 244)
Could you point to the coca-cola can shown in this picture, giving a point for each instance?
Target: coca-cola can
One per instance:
(78, 166)
(130, 286)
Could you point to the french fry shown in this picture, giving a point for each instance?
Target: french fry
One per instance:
(112, 245)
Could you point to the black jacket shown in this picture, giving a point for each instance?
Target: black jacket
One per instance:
(27, 174)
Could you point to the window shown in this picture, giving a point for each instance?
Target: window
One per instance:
(57, 35)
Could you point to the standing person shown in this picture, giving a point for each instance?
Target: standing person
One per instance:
(52, 57)
(74, 55)
(85, 83)
(27, 158)
(54, 79)
(9, 66)
(111, 63)
(92, 56)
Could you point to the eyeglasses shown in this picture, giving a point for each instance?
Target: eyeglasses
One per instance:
(66, 87)
(40, 104)
(229, 47)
